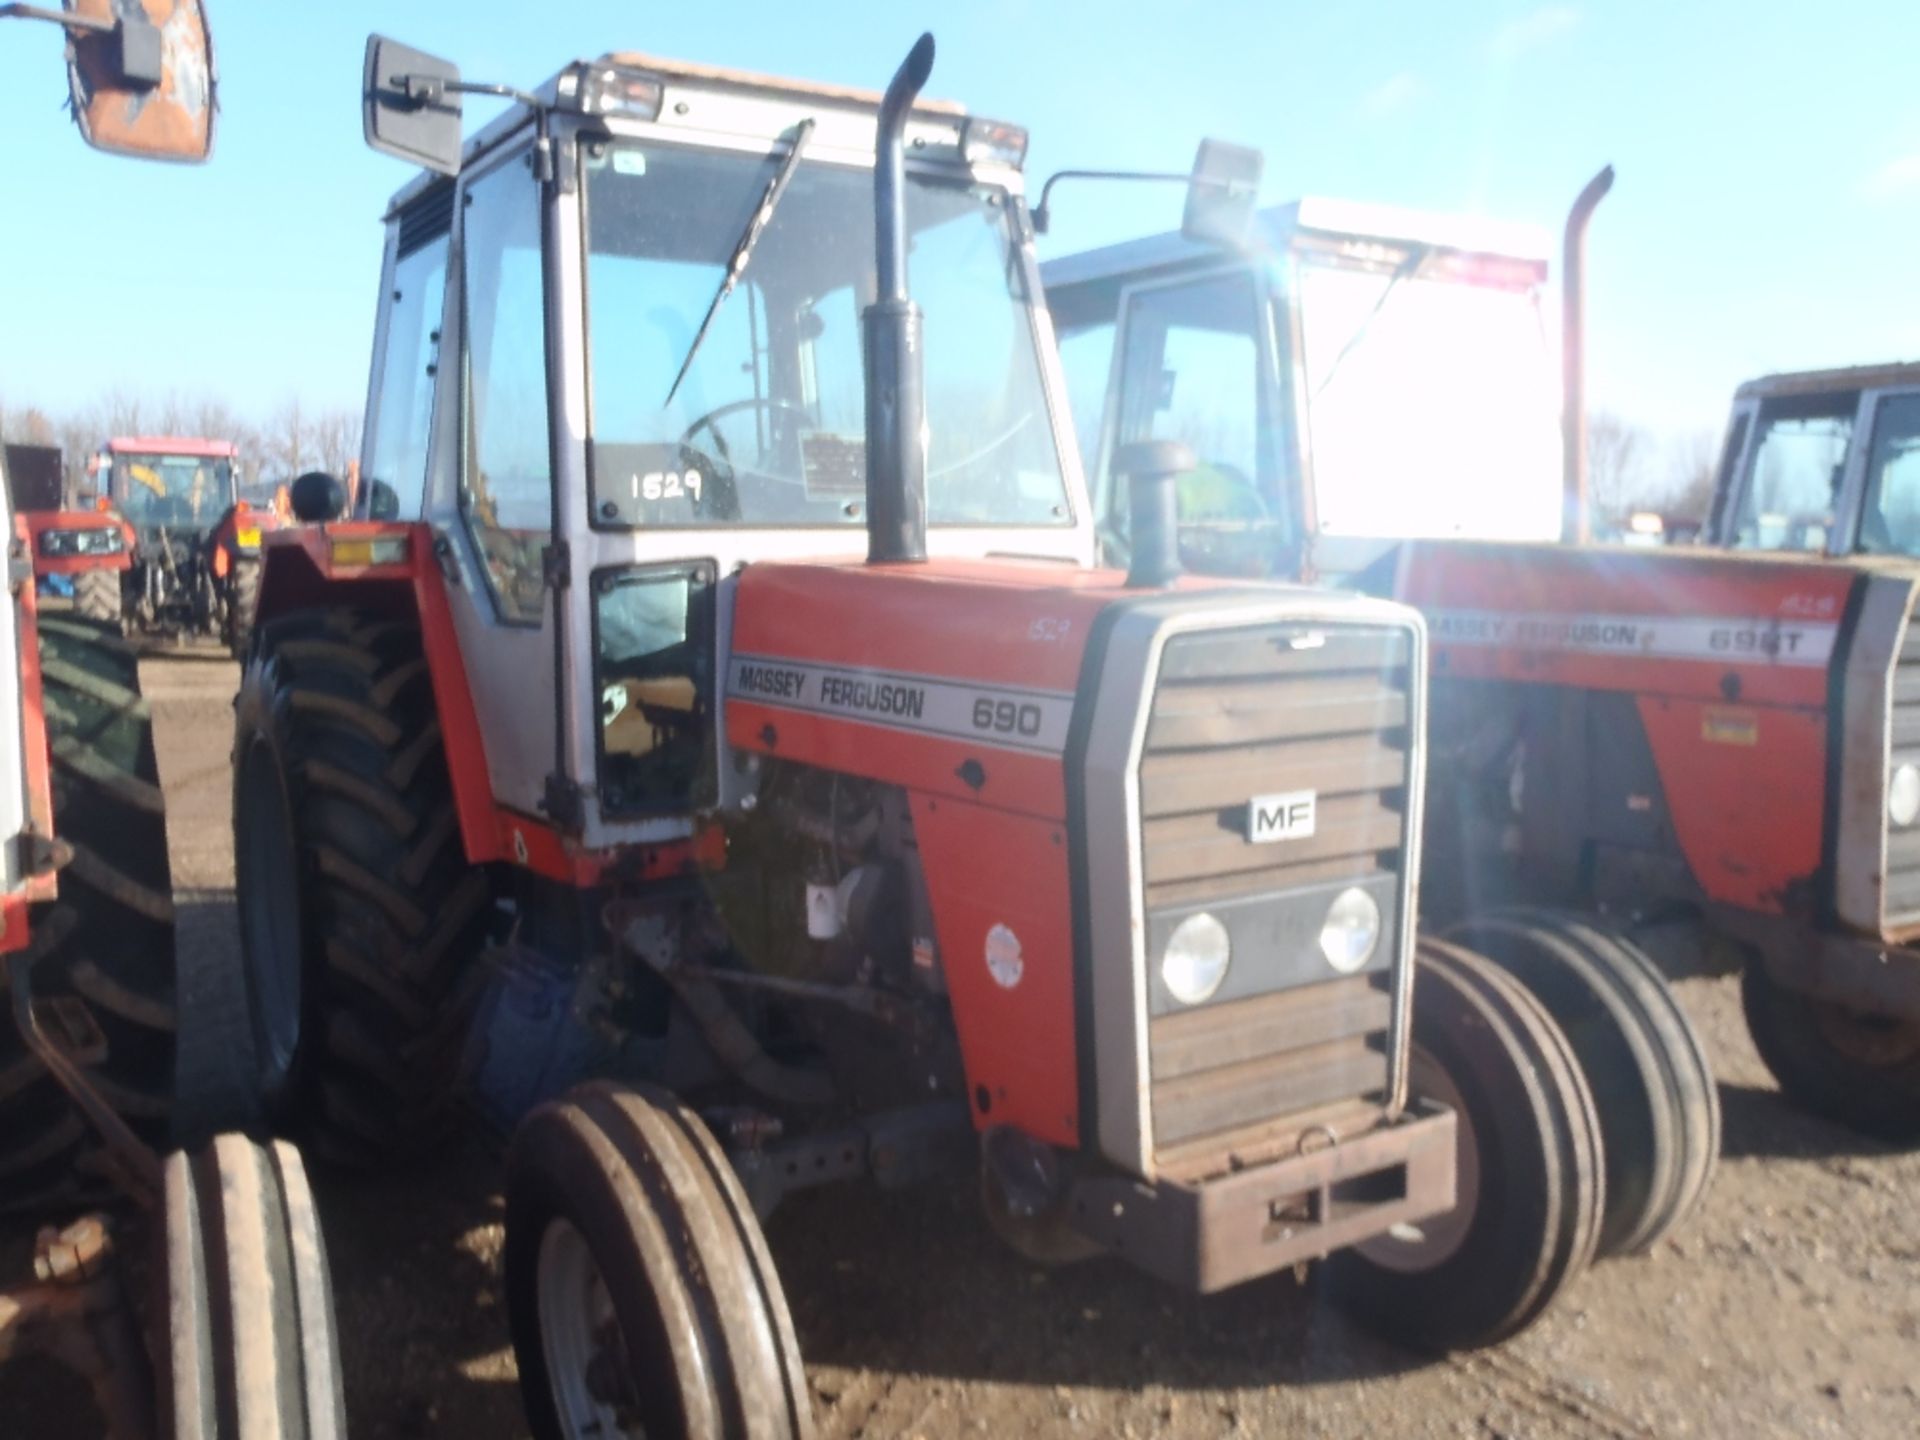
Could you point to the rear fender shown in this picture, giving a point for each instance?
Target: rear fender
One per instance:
(304, 568)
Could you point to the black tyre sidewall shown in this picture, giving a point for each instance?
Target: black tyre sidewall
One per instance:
(260, 720)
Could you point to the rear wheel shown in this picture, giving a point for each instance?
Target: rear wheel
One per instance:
(250, 1340)
(1861, 1071)
(243, 593)
(103, 966)
(1659, 1108)
(640, 1292)
(97, 596)
(1529, 1182)
(360, 919)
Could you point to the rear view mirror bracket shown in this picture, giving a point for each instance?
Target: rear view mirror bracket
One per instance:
(1222, 188)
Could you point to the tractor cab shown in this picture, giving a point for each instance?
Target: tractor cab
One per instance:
(625, 348)
(1822, 462)
(1349, 376)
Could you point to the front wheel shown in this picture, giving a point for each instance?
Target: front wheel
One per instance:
(640, 1292)
(1861, 1071)
(250, 1340)
(1529, 1181)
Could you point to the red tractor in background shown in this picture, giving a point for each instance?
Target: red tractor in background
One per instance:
(1716, 742)
(710, 745)
(234, 1340)
(81, 555)
(194, 558)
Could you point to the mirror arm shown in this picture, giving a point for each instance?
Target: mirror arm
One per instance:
(429, 89)
(1042, 216)
(58, 17)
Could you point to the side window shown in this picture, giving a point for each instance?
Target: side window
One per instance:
(1793, 485)
(1190, 371)
(403, 415)
(1890, 522)
(506, 482)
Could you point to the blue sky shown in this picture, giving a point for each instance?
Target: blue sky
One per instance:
(1765, 217)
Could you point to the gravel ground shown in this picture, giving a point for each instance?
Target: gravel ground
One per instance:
(1789, 1307)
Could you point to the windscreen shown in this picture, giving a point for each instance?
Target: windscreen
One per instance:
(768, 424)
(1430, 392)
(178, 492)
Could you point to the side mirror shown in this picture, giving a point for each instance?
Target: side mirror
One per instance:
(410, 105)
(317, 497)
(142, 77)
(1221, 194)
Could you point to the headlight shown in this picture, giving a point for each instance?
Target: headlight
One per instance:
(1195, 960)
(1903, 796)
(1351, 931)
(95, 540)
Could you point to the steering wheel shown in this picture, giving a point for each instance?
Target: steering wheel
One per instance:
(733, 407)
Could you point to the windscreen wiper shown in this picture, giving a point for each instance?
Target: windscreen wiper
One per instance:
(1408, 269)
(743, 248)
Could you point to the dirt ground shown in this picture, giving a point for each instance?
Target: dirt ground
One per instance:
(1789, 1307)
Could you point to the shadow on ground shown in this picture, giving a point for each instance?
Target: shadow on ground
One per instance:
(1761, 1123)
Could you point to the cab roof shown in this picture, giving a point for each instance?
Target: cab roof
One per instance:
(171, 445)
(688, 77)
(1277, 227)
(1820, 382)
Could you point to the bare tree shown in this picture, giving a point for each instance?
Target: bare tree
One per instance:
(1694, 461)
(336, 438)
(1616, 451)
(287, 442)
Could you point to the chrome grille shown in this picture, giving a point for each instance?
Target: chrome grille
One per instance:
(1902, 891)
(1269, 710)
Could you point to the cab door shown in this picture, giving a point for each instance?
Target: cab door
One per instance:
(490, 497)
(1194, 361)
(1889, 482)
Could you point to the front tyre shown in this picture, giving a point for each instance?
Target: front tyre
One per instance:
(360, 919)
(1528, 1162)
(640, 1292)
(251, 1348)
(1860, 1071)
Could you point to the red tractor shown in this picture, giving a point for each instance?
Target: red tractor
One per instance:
(709, 743)
(1714, 741)
(193, 559)
(236, 1341)
(81, 555)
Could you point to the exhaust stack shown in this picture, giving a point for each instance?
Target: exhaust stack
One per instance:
(891, 328)
(1575, 525)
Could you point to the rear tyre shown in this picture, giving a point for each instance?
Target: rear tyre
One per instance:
(360, 919)
(1643, 1061)
(243, 593)
(1860, 1071)
(640, 1292)
(104, 966)
(1530, 1184)
(97, 596)
(250, 1340)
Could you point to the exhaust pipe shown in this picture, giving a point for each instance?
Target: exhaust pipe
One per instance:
(1575, 526)
(891, 328)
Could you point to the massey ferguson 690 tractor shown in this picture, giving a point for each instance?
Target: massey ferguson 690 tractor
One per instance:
(711, 738)
(237, 1341)
(1711, 737)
